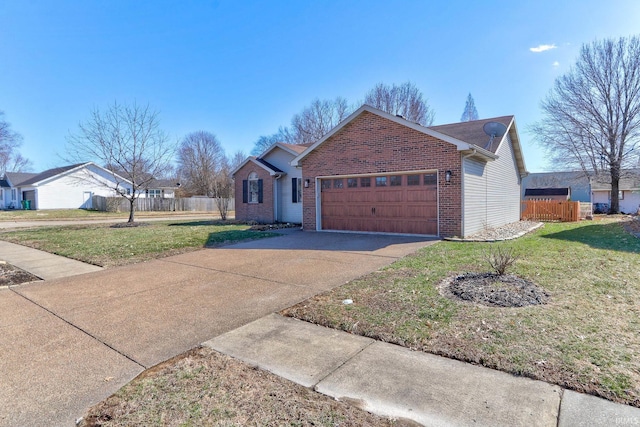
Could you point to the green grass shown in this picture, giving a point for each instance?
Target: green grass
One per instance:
(82, 214)
(103, 245)
(586, 338)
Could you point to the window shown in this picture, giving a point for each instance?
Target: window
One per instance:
(365, 182)
(296, 190)
(352, 182)
(430, 179)
(14, 194)
(326, 184)
(395, 180)
(413, 179)
(154, 193)
(337, 183)
(254, 189)
(381, 181)
(620, 195)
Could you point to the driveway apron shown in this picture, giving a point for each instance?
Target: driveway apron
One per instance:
(69, 343)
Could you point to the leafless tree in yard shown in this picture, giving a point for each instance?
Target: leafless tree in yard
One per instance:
(309, 125)
(592, 115)
(405, 100)
(128, 141)
(237, 158)
(312, 123)
(223, 187)
(200, 158)
(10, 159)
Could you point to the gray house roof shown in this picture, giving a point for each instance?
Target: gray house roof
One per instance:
(48, 174)
(17, 178)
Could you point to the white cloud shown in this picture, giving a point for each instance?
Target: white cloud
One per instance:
(556, 64)
(542, 48)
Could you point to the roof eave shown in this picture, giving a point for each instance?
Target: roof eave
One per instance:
(461, 145)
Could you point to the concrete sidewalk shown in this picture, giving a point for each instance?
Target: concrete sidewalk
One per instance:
(43, 264)
(393, 381)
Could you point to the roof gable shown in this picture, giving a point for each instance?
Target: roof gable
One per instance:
(259, 162)
(460, 145)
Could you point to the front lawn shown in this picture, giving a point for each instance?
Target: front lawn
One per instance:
(586, 338)
(87, 214)
(106, 246)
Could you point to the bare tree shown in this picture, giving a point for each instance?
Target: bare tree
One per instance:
(10, 159)
(313, 122)
(127, 139)
(264, 142)
(470, 112)
(200, 158)
(237, 158)
(309, 125)
(592, 114)
(223, 187)
(405, 100)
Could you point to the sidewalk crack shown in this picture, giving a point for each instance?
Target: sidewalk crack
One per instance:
(78, 328)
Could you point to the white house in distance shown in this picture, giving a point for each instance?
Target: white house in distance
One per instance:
(66, 187)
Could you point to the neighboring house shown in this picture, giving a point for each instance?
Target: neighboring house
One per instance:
(66, 187)
(268, 188)
(576, 181)
(376, 172)
(628, 195)
(550, 194)
(161, 188)
(589, 189)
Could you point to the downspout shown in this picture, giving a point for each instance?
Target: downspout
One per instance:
(473, 152)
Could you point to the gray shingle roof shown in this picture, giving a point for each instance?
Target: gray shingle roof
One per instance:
(17, 178)
(49, 174)
(473, 131)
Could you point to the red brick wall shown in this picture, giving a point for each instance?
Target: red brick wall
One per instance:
(372, 144)
(259, 212)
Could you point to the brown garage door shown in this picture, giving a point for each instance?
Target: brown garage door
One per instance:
(386, 203)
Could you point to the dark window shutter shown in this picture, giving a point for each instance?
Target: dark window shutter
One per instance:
(245, 191)
(294, 190)
(259, 191)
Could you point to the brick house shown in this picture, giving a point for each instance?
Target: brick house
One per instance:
(376, 172)
(268, 188)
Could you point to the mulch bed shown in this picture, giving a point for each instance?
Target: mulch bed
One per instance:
(494, 290)
(10, 275)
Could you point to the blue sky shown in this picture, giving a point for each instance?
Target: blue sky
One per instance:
(242, 69)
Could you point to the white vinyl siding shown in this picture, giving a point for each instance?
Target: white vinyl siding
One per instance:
(491, 191)
(67, 191)
(475, 196)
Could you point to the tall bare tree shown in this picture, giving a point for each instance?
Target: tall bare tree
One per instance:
(128, 141)
(10, 141)
(405, 100)
(309, 125)
(314, 121)
(200, 159)
(470, 112)
(592, 114)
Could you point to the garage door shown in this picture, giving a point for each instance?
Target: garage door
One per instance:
(31, 196)
(386, 203)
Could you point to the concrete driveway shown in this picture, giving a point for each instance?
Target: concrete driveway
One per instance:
(69, 343)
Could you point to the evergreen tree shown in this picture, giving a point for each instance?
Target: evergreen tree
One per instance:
(470, 112)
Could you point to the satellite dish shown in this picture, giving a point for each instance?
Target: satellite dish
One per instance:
(493, 129)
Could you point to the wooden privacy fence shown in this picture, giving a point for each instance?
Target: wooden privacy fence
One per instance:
(120, 204)
(539, 210)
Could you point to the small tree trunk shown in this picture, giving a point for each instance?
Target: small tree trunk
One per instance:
(131, 208)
